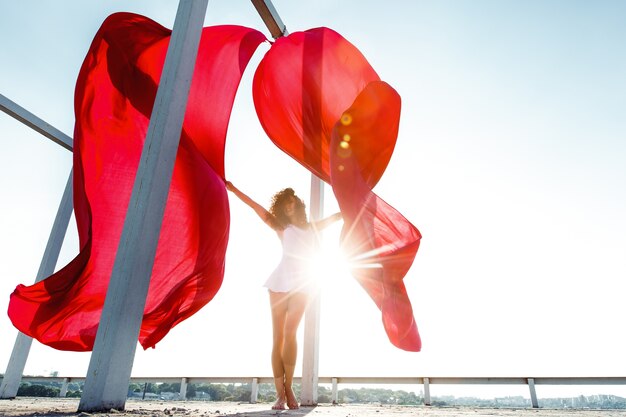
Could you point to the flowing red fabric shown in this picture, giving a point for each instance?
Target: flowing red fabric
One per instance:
(114, 96)
(301, 87)
(327, 89)
(380, 242)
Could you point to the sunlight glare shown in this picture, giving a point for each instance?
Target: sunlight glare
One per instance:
(329, 265)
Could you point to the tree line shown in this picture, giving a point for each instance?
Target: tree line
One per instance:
(229, 392)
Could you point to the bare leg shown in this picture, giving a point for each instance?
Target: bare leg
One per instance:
(278, 304)
(295, 310)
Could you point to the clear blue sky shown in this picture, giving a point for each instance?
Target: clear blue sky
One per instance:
(510, 160)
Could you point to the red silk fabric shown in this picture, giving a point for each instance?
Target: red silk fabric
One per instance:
(302, 87)
(317, 76)
(378, 240)
(114, 96)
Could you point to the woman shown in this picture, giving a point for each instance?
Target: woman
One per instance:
(290, 284)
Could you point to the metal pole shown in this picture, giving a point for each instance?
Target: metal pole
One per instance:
(311, 354)
(64, 387)
(111, 362)
(21, 348)
(183, 389)
(270, 17)
(427, 391)
(533, 393)
(335, 394)
(21, 114)
(254, 390)
(310, 361)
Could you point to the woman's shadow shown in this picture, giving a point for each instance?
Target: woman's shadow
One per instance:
(302, 411)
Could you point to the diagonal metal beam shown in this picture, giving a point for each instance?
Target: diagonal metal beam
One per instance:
(270, 17)
(21, 348)
(21, 114)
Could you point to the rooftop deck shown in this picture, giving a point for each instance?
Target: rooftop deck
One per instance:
(55, 407)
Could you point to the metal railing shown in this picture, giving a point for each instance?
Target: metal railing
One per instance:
(424, 382)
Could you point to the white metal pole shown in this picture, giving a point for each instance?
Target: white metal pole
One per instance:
(311, 354)
(533, 393)
(427, 391)
(254, 390)
(270, 17)
(310, 360)
(21, 348)
(21, 114)
(64, 388)
(111, 362)
(182, 394)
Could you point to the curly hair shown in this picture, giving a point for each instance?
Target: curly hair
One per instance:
(277, 207)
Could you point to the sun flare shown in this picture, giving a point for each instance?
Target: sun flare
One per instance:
(329, 265)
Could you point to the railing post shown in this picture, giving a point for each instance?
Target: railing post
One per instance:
(63, 392)
(254, 390)
(183, 389)
(426, 391)
(335, 395)
(533, 393)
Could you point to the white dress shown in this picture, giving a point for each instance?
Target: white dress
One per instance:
(294, 272)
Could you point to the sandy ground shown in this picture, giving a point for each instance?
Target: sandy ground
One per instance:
(56, 407)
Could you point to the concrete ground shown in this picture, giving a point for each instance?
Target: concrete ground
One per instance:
(59, 407)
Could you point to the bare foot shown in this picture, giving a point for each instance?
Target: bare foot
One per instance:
(292, 402)
(279, 404)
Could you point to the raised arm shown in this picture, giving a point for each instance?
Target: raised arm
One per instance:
(265, 215)
(324, 223)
